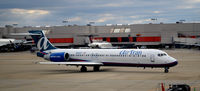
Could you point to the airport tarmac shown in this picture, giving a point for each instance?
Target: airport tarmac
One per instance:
(18, 72)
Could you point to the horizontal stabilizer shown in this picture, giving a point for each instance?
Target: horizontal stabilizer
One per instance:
(72, 63)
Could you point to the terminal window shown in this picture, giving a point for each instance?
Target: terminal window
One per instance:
(127, 30)
(116, 30)
(120, 30)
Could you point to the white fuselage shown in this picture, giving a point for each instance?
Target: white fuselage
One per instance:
(117, 57)
(6, 41)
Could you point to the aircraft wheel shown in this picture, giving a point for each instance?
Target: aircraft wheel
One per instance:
(83, 69)
(96, 68)
(12, 49)
(166, 70)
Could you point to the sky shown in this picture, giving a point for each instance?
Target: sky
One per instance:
(101, 12)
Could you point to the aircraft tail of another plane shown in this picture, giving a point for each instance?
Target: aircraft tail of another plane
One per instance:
(41, 41)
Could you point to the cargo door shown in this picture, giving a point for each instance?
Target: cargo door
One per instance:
(152, 58)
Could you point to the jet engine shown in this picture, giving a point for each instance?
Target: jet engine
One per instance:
(57, 57)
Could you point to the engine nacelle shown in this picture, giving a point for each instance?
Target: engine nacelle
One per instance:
(57, 57)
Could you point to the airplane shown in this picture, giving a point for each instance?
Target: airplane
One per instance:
(101, 45)
(97, 43)
(101, 57)
(10, 44)
(6, 41)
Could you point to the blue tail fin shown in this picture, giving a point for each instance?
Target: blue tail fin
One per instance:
(41, 41)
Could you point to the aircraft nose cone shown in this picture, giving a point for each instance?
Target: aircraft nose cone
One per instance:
(175, 62)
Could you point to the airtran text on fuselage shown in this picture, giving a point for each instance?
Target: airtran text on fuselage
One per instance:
(130, 52)
(123, 52)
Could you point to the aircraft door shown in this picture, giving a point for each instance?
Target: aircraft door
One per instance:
(152, 58)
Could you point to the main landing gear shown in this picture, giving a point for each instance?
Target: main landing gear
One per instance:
(166, 69)
(95, 68)
(83, 69)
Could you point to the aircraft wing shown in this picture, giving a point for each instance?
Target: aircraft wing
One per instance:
(2, 44)
(73, 63)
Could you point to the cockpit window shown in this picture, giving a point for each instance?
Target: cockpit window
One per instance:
(162, 54)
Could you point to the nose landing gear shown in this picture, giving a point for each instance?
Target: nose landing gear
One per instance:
(166, 69)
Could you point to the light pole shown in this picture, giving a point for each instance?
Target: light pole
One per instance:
(182, 21)
(65, 22)
(15, 25)
(153, 20)
(90, 24)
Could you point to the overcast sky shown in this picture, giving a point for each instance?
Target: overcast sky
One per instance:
(81, 12)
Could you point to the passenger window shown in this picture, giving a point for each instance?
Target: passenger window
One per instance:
(159, 55)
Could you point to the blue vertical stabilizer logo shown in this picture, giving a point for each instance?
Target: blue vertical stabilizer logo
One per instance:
(43, 43)
(41, 40)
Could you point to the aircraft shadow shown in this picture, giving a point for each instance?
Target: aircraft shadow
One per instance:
(143, 72)
(112, 70)
(73, 71)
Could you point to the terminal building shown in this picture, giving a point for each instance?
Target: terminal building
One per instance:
(151, 35)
